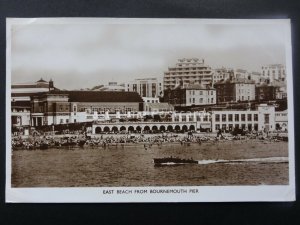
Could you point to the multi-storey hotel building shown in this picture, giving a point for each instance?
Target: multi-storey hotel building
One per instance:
(188, 71)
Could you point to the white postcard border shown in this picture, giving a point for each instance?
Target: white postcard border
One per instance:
(201, 193)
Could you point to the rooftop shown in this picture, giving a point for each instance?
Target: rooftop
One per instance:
(198, 87)
(41, 81)
(236, 81)
(101, 96)
(161, 105)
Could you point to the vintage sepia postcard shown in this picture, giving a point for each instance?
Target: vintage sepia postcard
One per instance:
(149, 110)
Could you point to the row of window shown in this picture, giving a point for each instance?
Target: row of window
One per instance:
(237, 117)
(62, 121)
(281, 114)
(201, 92)
(244, 91)
(201, 100)
(231, 127)
(191, 118)
(189, 74)
(104, 109)
(243, 98)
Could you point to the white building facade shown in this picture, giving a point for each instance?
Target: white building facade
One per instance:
(274, 72)
(245, 91)
(146, 87)
(222, 74)
(262, 119)
(200, 95)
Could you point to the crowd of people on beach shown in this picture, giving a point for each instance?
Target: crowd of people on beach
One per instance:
(108, 141)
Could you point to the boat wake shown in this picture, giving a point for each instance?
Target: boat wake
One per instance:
(254, 160)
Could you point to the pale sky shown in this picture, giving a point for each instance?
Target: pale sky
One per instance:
(84, 55)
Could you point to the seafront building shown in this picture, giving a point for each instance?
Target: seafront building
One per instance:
(274, 72)
(139, 105)
(266, 91)
(261, 119)
(64, 107)
(146, 87)
(235, 90)
(222, 74)
(188, 71)
(21, 101)
(111, 86)
(191, 95)
(23, 91)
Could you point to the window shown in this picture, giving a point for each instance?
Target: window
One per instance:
(250, 127)
(67, 120)
(267, 118)
(193, 100)
(217, 117)
(212, 100)
(223, 117)
(255, 117)
(61, 121)
(243, 117)
(217, 126)
(74, 109)
(249, 117)
(201, 93)
(256, 126)
(237, 117)
(201, 100)
(230, 117)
